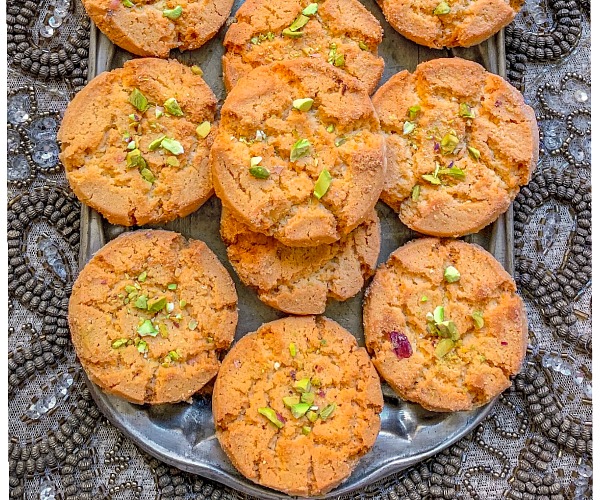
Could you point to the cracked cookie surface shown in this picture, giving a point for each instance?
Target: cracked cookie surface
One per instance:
(460, 143)
(257, 38)
(150, 314)
(102, 133)
(466, 359)
(449, 23)
(151, 28)
(300, 280)
(339, 134)
(297, 456)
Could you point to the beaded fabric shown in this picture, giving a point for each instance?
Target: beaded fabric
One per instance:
(536, 443)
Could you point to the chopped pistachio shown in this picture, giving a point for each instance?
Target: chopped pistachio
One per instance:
(306, 430)
(474, 152)
(172, 107)
(158, 112)
(455, 172)
(438, 314)
(173, 13)
(172, 146)
(141, 302)
(147, 328)
(465, 111)
(311, 9)
(302, 385)
(174, 355)
(271, 416)
(451, 274)
(447, 329)
(170, 307)
(156, 305)
(408, 128)
(303, 104)
(322, 184)
(339, 60)
(424, 298)
(363, 45)
(134, 159)
(197, 70)
(193, 324)
(128, 4)
(133, 117)
(182, 303)
(119, 343)
(312, 416)
(300, 409)
(155, 144)
(291, 34)
(131, 146)
(413, 111)
(260, 135)
(293, 351)
(315, 381)
(330, 128)
(147, 175)
(142, 277)
(172, 286)
(416, 191)
(449, 142)
(138, 100)
(164, 331)
(255, 161)
(299, 149)
(431, 179)
(203, 130)
(478, 319)
(442, 9)
(259, 172)
(326, 412)
(290, 401)
(339, 141)
(142, 346)
(172, 161)
(126, 136)
(443, 347)
(299, 22)
(308, 397)
(129, 288)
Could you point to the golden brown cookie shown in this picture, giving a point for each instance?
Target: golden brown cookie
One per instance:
(153, 28)
(444, 324)
(449, 23)
(460, 142)
(150, 314)
(298, 155)
(300, 280)
(135, 142)
(341, 32)
(296, 405)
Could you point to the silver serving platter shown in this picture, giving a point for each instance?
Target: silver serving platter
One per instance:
(182, 434)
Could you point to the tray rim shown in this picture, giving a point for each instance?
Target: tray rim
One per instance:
(101, 52)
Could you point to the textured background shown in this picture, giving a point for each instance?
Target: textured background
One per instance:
(537, 442)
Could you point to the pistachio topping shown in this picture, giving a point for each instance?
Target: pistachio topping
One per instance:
(474, 152)
(172, 146)
(174, 355)
(173, 13)
(431, 179)
(182, 303)
(203, 130)
(147, 175)
(326, 412)
(128, 4)
(339, 141)
(300, 409)
(193, 324)
(303, 104)
(138, 100)
(408, 128)
(424, 298)
(257, 40)
(451, 274)
(455, 172)
(439, 326)
(335, 58)
(132, 145)
(330, 128)
(172, 107)
(119, 343)
(413, 111)
(299, 22)
(322, 184)
(308, 397)
(442, 9)
(142, 346)
(271, 416)
(465, 111)
(449, 142)
(197, 70)
(259, 172)
(172, 286)
(306, 430)
(416, 191)
(290, 401)
(312, 416)
(156, 305)
(172, 161)
(362, 45)
(302, 385)
(141, 302)
(134, 159)
(443, 347)
(311, 9)
(293, 350)
(255, 161)
(478, 319)
(291, 34)
(147, 328)
(142, 277)
(158, 112)
(299, 149)
(155, 144)
(164, 331)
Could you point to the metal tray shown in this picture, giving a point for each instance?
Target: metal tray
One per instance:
(183, 434)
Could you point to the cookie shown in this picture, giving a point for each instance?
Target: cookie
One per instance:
(135, 142)
(150, 315)
(300, 280)
(341, 32)
(449, 23)
(296, 405)
(153, 29)
(444, 324)
(298, 155)
(460, 143)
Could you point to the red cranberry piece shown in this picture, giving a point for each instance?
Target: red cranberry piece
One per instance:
(401, 345)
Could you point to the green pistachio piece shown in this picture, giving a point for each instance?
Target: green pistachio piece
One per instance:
(300, 409)
(293, 351)
(142, 346)
(311, 9)
(147, 328)
(302, 385)
(326, 412)
(438, 314)
(303, 104)
(474, 152)
(173, 13)
(128, 4)
(142, 277)
(455, 172)
(431, 179)
(164, 331)
(259, 172)
(158, 112)
(157, 305)
(134, 159)
(339, 141)
(447, 329)
(182, 303)
(155, 144)
(119, 343)
(203, 130)
(197, 70)
(478, 319)
(424, 298)
(308, 397)
(291, 34)
(138, 100)
(448, 143)
(299, 149)
(126, 137)
(443, 347)
(322, 184)
(306, 430)
(131, 146)
(363, 46)
(442, 9)
(172, 286)
(255, 161)
(172, 107)
(174, 355)
(172, 161)
(271, 416)
(465, 111)
(416, 191)
(130, 288)
(413, 111)
(408, 128)
(290, 401)
(312, 416)
(172, 146)
(141, 302)
(451, 274)
(170, 307)
(339, 60)
(300, 22)
(147, 175)
(193, 324)
(330, 128)
(315, 382)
